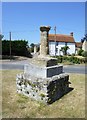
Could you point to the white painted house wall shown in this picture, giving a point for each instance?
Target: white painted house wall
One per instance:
(60, 44)
(71, 49)
(58, 48)
(84, 46)
(52, 48)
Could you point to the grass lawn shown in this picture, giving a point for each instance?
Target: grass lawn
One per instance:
(15, 105)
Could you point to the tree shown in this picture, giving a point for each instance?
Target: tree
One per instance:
(64, 49)
(1, 36)
(32, 44)
(84, 53)
(80, 51)
(32, 47)
(18, 48)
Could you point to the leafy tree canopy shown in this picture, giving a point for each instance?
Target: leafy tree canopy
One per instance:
(64, 49)
(18, 48)
(32, 45)
(1, 36)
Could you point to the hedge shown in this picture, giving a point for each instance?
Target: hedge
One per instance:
(71, 59)
(18, 48)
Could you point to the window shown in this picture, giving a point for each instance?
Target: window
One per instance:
(65, 43)
(56, 50)
(56, 43)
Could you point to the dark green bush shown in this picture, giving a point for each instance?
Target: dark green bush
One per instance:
(71, 59)
(73, 54)
(65, 58)
(84, 53)
(18, 48)
(60, 59)
(80, 52)
(69, 54)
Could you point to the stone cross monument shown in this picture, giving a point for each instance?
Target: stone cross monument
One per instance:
(43, 79)
(44, 48)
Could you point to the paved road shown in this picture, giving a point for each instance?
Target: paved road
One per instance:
(75, 69)
(20, 65)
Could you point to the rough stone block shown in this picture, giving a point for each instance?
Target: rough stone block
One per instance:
(46, 90)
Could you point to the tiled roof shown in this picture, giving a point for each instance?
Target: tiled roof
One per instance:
(61, 38)
(78, 44)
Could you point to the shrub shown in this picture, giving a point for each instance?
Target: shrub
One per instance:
(71, 59)
(69, 54)
(18, 48)
(60, 59)
(73, 54)
(74, 60)
(84, 53)
(80, 52)
(65, 58)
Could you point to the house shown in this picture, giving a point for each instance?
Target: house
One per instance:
(59, 40)
(84, 45)
(78, 46)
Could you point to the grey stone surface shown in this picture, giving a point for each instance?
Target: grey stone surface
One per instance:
(44, 40)
(42, 72)
(46, 90)
(43, 62)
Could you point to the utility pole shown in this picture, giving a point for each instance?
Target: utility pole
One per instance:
(10, 44)
(55, 40)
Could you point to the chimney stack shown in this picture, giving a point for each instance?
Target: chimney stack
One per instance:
(71, 34)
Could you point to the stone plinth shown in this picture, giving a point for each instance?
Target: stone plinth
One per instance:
(43, 62)
(46, 90)
(43, 72)
(43, 67)
(45, 84)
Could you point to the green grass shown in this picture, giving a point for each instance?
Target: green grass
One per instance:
(15, 105)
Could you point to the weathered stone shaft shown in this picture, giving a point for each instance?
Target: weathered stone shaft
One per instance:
(44, 40)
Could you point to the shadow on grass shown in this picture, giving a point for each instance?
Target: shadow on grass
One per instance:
(59, 95)
(4, 57)
(8, 57)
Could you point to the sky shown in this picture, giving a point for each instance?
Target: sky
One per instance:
(23, 19)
